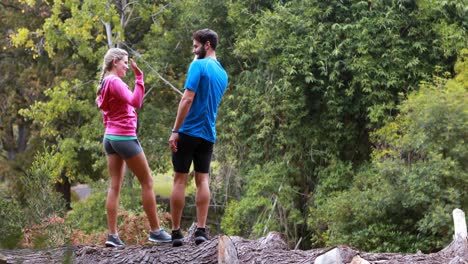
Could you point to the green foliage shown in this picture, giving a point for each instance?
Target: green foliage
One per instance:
(41, 199)
(89, 216)
(363, 216)
(346, 64)
(332, 180)
(21, 83)
(404, 199)
(267, 204)
(11, 221)
(73, 24)
(319, 76)
(42, 225)
(310, 81)
(70, 121)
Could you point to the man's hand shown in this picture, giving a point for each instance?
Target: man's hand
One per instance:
(173, 141)
(135, 68)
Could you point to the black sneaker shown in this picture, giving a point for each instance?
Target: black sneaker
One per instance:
(114, 241)
(201, 236)
(177, 238)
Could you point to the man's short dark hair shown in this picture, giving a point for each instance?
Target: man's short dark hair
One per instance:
(204, 35)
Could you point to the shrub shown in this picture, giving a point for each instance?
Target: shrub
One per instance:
(11, 221)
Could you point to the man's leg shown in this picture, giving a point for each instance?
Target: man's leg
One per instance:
(202, 197)
(178, 198)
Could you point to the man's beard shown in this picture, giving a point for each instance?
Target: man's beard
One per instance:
(201, 53)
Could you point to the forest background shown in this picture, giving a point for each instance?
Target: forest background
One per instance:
(344, 122)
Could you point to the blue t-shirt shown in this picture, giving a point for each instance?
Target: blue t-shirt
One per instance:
(208, 79)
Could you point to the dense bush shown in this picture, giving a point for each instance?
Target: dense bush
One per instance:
(12, 220)
(402, 201)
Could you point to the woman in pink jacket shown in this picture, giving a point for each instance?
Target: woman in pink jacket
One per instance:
(118, 104)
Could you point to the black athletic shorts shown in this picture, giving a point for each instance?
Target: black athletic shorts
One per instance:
(124, 148)
(191, 149)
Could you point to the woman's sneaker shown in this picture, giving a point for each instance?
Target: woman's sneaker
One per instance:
(201, 236)
(159, 236)
(177, 238)
(114, 241)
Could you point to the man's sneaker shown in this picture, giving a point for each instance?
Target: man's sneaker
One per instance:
(177, 238)
(114, 241)
(200, 236)
(159, 236)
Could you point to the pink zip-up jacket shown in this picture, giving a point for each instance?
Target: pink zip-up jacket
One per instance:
(118, 105)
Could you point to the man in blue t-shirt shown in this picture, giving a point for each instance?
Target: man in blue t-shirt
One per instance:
(194, 131)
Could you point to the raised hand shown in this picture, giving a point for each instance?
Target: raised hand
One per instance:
(135, 68)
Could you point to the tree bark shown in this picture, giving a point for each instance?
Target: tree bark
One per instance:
(223, 249)
(269, 249)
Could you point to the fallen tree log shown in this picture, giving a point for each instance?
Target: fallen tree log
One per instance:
(225, 249)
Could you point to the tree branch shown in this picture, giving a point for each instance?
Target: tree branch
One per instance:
(108, 27)
(10, 6)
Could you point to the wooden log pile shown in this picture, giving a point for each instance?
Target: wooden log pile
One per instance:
(230, 250)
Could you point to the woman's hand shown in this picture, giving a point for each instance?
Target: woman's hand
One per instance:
(135, 68)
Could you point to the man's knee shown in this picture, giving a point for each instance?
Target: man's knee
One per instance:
(180, 178)
(201, 179)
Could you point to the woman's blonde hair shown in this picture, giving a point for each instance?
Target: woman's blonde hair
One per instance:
(111, 55)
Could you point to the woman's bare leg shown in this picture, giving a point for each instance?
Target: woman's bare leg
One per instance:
(139, 166)
(115, 165)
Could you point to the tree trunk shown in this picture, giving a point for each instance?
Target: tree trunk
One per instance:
(23, 136)
(64, 187)
(223, 249)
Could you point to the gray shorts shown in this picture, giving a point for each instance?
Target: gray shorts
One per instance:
(124, 148)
